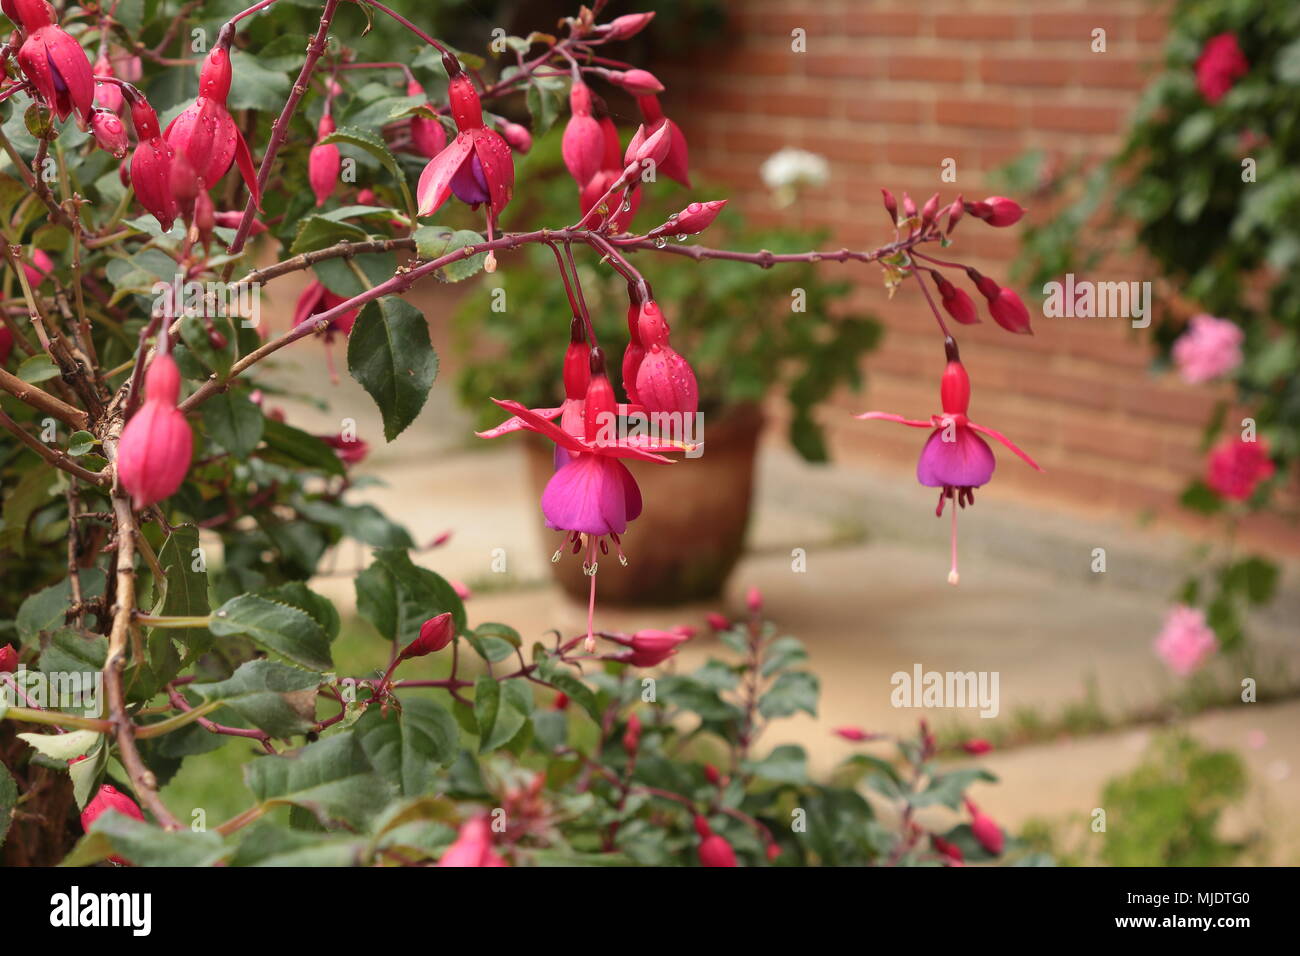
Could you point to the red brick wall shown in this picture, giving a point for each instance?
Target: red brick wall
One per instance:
(886, 91)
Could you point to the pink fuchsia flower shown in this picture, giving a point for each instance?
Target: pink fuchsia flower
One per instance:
(650, 648)
(854, 734)
(717, 622)
(1004, 305)
(955, 302)
(950, 851)
(8, 659)
(611, 168)
(632, 735)
(54, 62)
(955, 459)
(583, 145)
(476, 166)
(1185, 641)
(636, 82)
(977, 746)
(626, 26)
(435, 634)
(324, 162)
(985, 830)
(1236, 467)
(110, 132)
(695, 218)
(664, 380)
(996, 210)
(107, 95)
(714, 850)
(1209, 348)
(518, 137)
(676, 164)
(351, 451)
(40, 268)
(427, 133)
(206, 134)
(473, 846)
(1219, 66)
(151, 164)
(316, 300)
(109, 798)
(153, 454)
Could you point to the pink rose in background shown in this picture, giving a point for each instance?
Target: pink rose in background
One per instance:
(1236, 467)
(1208, 349)
(1219, 66)
(1186, 640)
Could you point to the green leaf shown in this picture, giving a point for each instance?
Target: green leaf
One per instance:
(782, 653)
(544, 100)
(501, 709)
(186, 590)
(793, 691)
(409, 747)
(1255, 576)
(434, 242)
(374, 145)
(948, 788)
(320, 608)
(8, 798)
(74, 743)
(274, 627)
(365, 523)
(397, 597)
(45, 610)
(318, 232)
(271, 696)
(37, 368)
(115, 834)
(253, 86)
(785, 764)
(390, 354)
(286, 443)
(1199, 497)
(80, 443)
(234, 422)
(562, 679)
(31, 494)
(333, 778)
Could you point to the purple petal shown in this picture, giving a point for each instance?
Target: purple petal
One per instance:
(592, 494)
(468, 184)
(965, 462)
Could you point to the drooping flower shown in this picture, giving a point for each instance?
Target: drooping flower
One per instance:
(315, 300)
(151, 164)
(955, 459)
(985, 830)
(107, 95)
(54, 62)
(1235, 468)
(153, 454)
(955, 301)
(206, 134)
(583, 145)
(1004, 305)
(1209, 348)
(473, 846)
(676, 164)
(351, 451)
(656, 376)
(650, 648)
(476, 166)
(324, 162)
(1185, 641)
(1219, 66)
(40, 268)
(110, 798)
(996, 210)
(611, 168)
(976, 746)
(110, 132)
(946, 849)
(714, 850)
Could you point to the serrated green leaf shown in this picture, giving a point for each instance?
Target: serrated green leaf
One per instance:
(271, 696)
(390, 354)
(285, 630)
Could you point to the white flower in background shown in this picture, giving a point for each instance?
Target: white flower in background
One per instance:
(789, 169)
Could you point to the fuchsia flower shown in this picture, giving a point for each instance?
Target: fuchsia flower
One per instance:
(628, 25)
(955, 458)
(151, 164)
(153, 454)
(473, 846)
(107, 95)
(985, 830)
(40, 269)
(324, 162)
(315, 300)
(518, 137)
(636, 82)
(717, 622)
(654, 374)
(435, 634)
(955, 302)
(1185, 641)
(1209, 348)
(632, 735)
(476, 166)
(351, 451)
(427, 135)
(110, 798)
(8, 659)
(714, 850)
(676, 165)
(1004, 305)
(650, 648)
(583, 145)
(206, 134)
(53, 61)
(1219, 66)
(977, 746)
(996, 211)
(110, 132)
(949, 850)
(854, 734)
(611, 168)
(1236, 467)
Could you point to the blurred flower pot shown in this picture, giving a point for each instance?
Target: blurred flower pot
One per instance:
(692, 528)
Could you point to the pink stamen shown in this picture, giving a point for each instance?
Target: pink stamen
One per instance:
(953, 576)
(590, 643)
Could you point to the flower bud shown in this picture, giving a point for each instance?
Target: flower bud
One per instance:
(42, 266)
(435, 634)
(988, 833)
(153, 454)
(712, 775)
(997, 211)
(717, 622)
(665, 382)
(110, 132)
(652, 147)
(151, 166)
(629, 25)
(473, 846)
(891, 205)
(561, 701)
(110, 798)
(955, 212)
(928, 211)
(696, 217)
(652, 647)
(1004, 305)
(714, 850)
(6, 343)
(636, 82)
(950, 850)
(8, 659)
(856, 734)
(107, 95)
(351, 451)
(955, 302)
(977, 746)
(324, 163)
(754, 600)
(517, 137)
(632, 736)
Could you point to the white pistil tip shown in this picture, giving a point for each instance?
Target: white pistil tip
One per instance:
(590, 645)
(953, 578)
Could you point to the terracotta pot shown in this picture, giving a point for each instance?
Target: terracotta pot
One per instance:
(692, 528)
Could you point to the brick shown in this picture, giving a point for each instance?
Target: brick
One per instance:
(1071, 118)
(1077, 26)
(862, 21)
(1109, 71)
(977, 26)
(979, 113)
(935, 69)
(1025, 71)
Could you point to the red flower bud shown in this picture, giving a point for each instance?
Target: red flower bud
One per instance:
(955, 212)
(954, 388)
(39, 270)
(629, 25)
(107, 95)
(665, 382)
(676, 165)
(351, 451)
(110, 132)
(205, 218)
(754, 600)
(110, 798)
(435, 634)
(8, 659)
(653, 647)
(977, 746)
(956, 302)
(929, 210)
(715, 851)
(6, 343)
(717, 621)
(649, 147)
(891, 205)
(855, 734)
(583, 145)
(473, 846)
(232, 219)
(712, 775)
(988, 833)
(561, 701)
(324, 163)
(632, 736)
(151, 165)
(636, 82)
(516, 136)
(909, 207)
(427, 134)
(950, 850)
(1004, 305)
(695, 218)
(153, 454)
(997, 211)
(773, 853)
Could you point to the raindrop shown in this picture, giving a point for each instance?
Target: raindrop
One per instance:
(660, 242)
